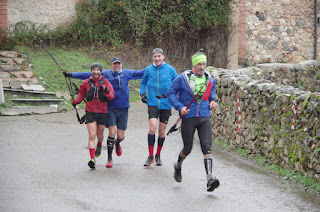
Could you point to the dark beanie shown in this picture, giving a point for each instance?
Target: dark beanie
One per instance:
(96, 65)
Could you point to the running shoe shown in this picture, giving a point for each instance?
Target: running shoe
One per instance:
(92, 164)
(212, 184)
(109, 164)
(98, 151)
(118, 149)
(149, 161)
(177, 173)
(158, 161)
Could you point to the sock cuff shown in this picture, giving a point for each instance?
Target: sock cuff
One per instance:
(207, 157)
(110, 138)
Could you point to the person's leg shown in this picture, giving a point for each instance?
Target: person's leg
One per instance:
(122, 120)
(151, 141)
(164, 118)
(120, 137)
(153, 113)
(205, 137)
(161, 137)
(100, 139)
(187, 133)
(92, 131)
(110, 143)
(112, 131)
(151, 135)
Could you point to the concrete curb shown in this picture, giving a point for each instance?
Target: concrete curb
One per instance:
(27, 110)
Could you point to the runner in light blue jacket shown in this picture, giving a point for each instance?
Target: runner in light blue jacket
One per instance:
(154, 86)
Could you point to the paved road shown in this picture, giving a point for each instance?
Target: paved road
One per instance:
(44, 168)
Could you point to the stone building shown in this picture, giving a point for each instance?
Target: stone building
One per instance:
(277, 31)
(45, 12)
(266, 30)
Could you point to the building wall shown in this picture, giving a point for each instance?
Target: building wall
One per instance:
(278, 31)
(45, 12)
(3, 15)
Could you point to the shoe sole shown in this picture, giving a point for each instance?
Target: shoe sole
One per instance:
(149, 164)
(109, 166)
(214, 185)
(91, 164)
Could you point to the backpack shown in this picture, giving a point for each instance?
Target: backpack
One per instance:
(90, 95)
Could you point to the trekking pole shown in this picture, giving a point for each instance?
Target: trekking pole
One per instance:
(68, 81)
(205, 96)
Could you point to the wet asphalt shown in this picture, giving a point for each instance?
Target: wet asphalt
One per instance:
(44, 168)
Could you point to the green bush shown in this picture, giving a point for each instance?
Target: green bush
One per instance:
(180, 27)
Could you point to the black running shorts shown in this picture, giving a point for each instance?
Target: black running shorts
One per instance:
(163, 115)
(100, 118)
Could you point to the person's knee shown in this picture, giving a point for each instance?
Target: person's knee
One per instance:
(152, 129)
(112, 131)
(92, 135)
(186, 151)
(206, 149)
(100, 137)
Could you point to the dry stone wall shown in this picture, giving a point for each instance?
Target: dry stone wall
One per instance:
(279, 31)
(279, 117)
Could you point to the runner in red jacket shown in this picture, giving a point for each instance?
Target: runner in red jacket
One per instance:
(97, 90)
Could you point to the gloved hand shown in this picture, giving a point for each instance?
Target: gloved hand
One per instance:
(162, 96)
(67, 74)
(73, 103)
(105, 88)
(144, 98)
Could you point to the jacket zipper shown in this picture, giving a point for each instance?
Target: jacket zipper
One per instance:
(158, 85)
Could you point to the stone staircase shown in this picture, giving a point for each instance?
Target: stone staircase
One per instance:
(19, 85)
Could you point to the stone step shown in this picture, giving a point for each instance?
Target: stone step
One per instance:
(38, 101)
(10, 91)
(28, 110)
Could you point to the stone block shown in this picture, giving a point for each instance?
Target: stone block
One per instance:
(6, 83)
(4, 75)
(8, 54)
(32, 81)
(16, 84)
(26, 74)
(32, 87)
(18, 61)
(9, 68)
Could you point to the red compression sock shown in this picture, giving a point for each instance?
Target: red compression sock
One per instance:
(92, 151)
(151, 150)
(159, 150)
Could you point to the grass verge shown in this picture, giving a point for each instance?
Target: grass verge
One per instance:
(50, 75)
(287, 174)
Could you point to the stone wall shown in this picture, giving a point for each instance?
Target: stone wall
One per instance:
(279, 31)
(45, 12)
(16, 70)
(279, 117)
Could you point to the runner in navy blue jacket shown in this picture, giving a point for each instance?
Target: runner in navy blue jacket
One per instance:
(181, 93)
(118, 107)
(154, 85)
